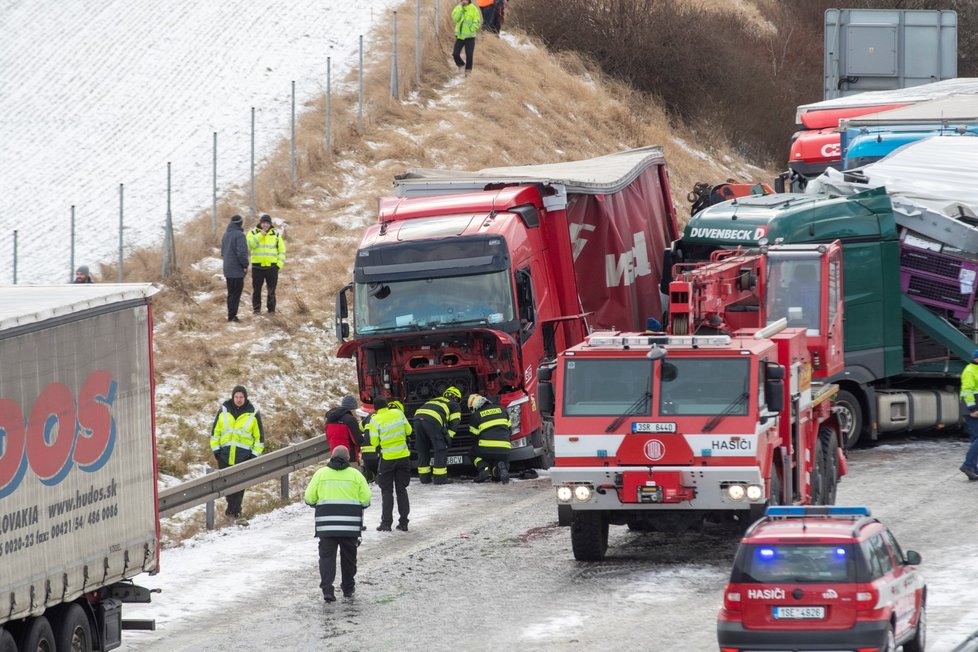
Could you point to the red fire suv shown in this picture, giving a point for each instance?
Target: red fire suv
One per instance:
(822, 578)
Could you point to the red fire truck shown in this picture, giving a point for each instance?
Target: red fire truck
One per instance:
(714, 419)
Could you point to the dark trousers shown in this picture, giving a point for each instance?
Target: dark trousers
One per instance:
(393, 477)
(487, 459)
(327, 563)
(431, 439)
(469, 45)
(235, 286)
(259, 276)
(490, 18)
(971, 457)
(235, 499)
(370, 463)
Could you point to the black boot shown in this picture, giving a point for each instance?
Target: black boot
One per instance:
(503, 469)
(442, 479)
(484, 475)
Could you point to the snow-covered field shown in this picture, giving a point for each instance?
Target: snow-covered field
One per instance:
(97, 94)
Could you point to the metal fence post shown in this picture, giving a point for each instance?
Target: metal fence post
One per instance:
(285, 486)
(71, 272)
(252, 162)
(15, 256)
(209, 508)
(214, 189)
(329, 148)
(394, 56)
(121, 214)
(360, 93)
(292, 146)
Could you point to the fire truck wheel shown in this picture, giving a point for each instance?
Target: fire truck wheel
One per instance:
(7, 643)
(37, 635)
(817, 482)
(850, 414)
(830, 464)
(546, 459)
(776, 487)
(72, 630)
(589, 536)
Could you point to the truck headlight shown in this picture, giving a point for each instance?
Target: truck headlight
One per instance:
(515, 415)
(736, 492)
(564, 494)
(755, 492)
(582, 492)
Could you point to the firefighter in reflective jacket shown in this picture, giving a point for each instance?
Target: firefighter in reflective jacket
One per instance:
(340, 494)
(489, 424)
(389, 431)
(237, 436)
(434, 426)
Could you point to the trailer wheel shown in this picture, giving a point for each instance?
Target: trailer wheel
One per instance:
(546, 459)
(7, 642)
(818, 473)
(850, 414)
(589, 536)
(72, 631)
(37, 636)
(830, 464)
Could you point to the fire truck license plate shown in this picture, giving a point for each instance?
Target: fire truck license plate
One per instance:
(653, 427)
(799, 613)
(455, 460)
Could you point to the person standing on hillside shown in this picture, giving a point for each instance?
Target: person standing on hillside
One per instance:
(389, 430)
(343, 429)
(467, 21)
(969, 395)
(267, 257)
(234, 251)
(491, 14)
(237, 436)
(340, 494)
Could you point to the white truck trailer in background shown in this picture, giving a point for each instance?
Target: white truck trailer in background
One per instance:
(78, 502)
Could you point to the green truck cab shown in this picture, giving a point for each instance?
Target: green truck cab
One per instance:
(902, 357)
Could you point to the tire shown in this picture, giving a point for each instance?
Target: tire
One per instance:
(776, 487)
(830, 464)
(919, 640)
(890, 644)
(72, 631)
(850, 415)
(589, 536)
(818, 474)
(37, 636)
(546, 459)
(7, 642)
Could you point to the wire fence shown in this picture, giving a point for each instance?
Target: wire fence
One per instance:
(427, 13)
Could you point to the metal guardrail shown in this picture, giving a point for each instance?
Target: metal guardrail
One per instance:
(969, 645)
(241, 476)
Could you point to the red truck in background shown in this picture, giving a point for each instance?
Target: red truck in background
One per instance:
(714, 419)
(78, 495)
(474, 279)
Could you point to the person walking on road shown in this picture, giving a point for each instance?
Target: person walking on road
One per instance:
(969, 392)
(267, 257)
(468, 20)
(434, 427)
(234, 251)
(489, 424)
(237, 436)
(389, 431)
(343, 429)
(340, 495)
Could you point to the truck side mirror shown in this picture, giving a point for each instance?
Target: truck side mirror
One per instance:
(546, 400)
(342, 313)
(774, 387)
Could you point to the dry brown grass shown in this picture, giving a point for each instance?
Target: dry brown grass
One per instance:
(521, 105)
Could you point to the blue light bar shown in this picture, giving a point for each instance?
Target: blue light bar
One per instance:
(814, 510)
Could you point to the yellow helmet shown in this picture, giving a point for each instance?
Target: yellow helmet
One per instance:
(452, 393)
(397, 405)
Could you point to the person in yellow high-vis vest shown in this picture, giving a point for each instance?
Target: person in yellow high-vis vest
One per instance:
(969, 396)
(389, 431)
(468, 20)
(267, 249)
(237, 436)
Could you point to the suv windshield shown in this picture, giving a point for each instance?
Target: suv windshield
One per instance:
(704, 386)
(609, 387)
(796, 563)
(434, 302)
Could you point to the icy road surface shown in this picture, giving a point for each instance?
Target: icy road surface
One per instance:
(486, 567)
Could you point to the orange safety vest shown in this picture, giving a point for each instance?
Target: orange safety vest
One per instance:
(484, 3)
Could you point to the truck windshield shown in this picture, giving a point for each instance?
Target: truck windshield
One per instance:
(607, 387)
(793, 292)
(430, 303)
(704, 386)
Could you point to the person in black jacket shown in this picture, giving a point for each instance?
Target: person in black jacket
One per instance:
(489, 424)
(234, 251)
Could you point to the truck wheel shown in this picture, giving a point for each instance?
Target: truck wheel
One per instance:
(72, 631)
(776, 487)
(830, 464)
(589, 536)
(7, 642)
(850, 415)
(818, 473)
(546, 459)
(37, 636)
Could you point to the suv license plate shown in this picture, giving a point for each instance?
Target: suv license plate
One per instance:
(799, 613)
(454, 460)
